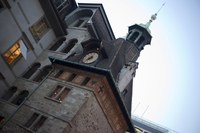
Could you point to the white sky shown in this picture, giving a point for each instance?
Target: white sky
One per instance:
(167, 79)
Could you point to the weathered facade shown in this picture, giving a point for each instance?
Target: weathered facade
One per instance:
(62, 70)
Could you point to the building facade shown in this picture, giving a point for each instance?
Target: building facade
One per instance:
(62, 70)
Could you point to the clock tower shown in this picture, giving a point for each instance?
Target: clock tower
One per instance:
(119, 56)
(82, 80)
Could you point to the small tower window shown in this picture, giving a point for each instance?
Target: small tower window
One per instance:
(70, 45)
(140, 41)
(134, 36)
(32, 70)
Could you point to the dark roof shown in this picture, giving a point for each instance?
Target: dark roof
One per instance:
(103, 14)
(105, 72)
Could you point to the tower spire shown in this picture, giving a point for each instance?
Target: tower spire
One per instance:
(153, 17)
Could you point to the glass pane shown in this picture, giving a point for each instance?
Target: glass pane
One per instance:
(39, 123)
(54, 94)
(12, 53)
(63, 95)
(31, 120)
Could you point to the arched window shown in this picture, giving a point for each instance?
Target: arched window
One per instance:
(57, 44)
(133, 36)
(70, 45)
(43, 73)
(79, 18)
(32, 70)
(124, 92)
(140, 41)
(9, 93)
(21, 97)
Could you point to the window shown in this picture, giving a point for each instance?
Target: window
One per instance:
(80, 22)
(133, 36)
(13, 53)
(64, 75)
(140, 41)
(85, 81)
(21, 97)
(8, 94)
(58, 43)
(43, 73)
(72, 76)
(59, 73)
(1, 5)
(31, 70)
(35, 122)
(59, 93)
(39, 29)
(70, 45)
(60, 4)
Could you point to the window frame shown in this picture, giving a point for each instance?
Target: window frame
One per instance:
(33, 122)
(58, 93)
(62, 5)
(11, 54)
(35, 27)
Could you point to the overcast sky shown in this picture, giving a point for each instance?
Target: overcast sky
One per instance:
(167, 80)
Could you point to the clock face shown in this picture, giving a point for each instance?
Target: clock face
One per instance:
(90, 57)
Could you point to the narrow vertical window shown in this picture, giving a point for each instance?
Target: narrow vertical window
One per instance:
(85, 81)
(140, 41)
(35, 122)
(70, 45)
(71, 77)
(39, 123)
(57, 44)
(62, 95)
(56, 92)
(59, 73)
(31, 120)
(60, 4)
(133, 35)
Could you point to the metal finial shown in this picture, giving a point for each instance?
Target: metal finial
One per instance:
(154, 16)
(161, 8)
